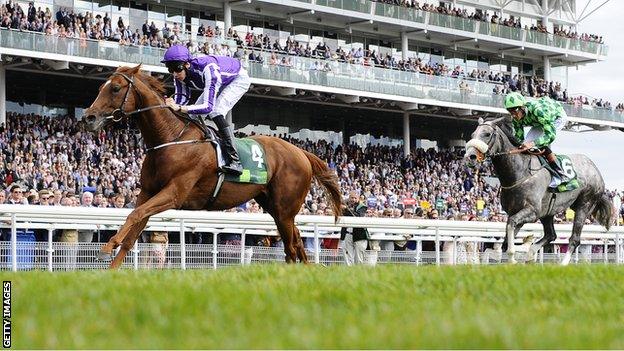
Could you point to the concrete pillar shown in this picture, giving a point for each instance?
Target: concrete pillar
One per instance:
(547, 68)
(227, 17)
(2, 94)
(406, 134)
(404, 46)
(545, 14)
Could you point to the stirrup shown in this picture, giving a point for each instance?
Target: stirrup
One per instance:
(233, 168)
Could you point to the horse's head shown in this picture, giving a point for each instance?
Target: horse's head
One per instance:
(117, 96)
(486, 140)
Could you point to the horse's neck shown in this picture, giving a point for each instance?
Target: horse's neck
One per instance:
(511, 168)
(158, 125)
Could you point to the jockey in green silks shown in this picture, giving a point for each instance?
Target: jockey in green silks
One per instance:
(545, 116)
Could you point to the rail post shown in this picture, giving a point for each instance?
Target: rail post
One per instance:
(242, 247)
(317, 254)
(50, 250)
(182, 246)
(215, 237)
(13, 242)
(437, 245)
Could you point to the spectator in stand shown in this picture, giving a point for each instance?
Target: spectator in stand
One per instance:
(17, 196)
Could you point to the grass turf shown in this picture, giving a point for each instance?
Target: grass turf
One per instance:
(279, 306)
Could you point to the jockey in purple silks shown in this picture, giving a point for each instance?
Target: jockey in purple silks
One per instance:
(223, 82)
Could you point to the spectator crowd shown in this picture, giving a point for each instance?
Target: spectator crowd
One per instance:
(51, 161)
(66, 23)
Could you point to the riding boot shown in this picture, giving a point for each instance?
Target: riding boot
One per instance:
(233, 164)
(557, 168)
(552, 161)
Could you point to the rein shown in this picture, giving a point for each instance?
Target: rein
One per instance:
(119, 114)
(515, 151)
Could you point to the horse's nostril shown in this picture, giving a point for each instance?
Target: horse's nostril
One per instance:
(473, 157)
(89, 118)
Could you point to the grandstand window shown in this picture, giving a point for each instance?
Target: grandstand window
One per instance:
(527, 69)
(301, 31)
(136, 18)
(82, 6)
(515, 68)
(156, 13)
(102, 8)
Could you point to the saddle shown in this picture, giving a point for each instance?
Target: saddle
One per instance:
(556, 184)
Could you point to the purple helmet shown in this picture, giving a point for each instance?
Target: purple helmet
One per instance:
(177, 53)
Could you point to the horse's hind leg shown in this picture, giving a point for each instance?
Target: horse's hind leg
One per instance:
(575, 239)
(301, 254)
(286, 229)
(549, 235)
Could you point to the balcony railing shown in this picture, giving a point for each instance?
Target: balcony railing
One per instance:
(465, 24)
(302, 70)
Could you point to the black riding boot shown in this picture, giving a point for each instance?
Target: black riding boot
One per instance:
(559, 171)
(233, 164)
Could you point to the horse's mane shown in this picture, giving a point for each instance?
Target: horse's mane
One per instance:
(505, 125)
(153, 82)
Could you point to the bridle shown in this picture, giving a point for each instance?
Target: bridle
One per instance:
(495, 130)
(484, 155)
(118, 114)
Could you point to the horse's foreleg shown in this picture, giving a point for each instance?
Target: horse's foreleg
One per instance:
(575, 239)
(106, 252)
(126, 245)
(549, 235)
(172, 196)
(514, 223)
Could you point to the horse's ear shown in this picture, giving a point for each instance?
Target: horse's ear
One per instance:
(136, 69)
(501, 120)
(481, 120)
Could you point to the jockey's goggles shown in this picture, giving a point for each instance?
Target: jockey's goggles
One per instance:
(515, 109)
(176, 67)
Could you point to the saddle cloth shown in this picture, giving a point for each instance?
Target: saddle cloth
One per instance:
(252, 157)
(556, 183)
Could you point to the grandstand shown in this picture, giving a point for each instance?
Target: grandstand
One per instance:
(394, 78)
(408, 70)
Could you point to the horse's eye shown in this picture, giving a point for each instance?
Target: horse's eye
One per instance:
(116, 88)
(487, 135)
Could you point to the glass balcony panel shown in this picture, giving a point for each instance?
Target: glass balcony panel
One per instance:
(310, 71)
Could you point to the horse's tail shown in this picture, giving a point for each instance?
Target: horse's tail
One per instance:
(329, 180)
(603, 212)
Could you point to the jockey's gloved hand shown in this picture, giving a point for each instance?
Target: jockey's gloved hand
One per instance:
(527, 145)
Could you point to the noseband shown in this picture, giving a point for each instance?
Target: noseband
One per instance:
(119, 113)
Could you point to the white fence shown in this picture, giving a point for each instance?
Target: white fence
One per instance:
(458, 238)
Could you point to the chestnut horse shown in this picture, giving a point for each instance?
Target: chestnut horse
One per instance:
(184, 174)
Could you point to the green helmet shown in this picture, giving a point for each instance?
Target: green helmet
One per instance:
(514, 100)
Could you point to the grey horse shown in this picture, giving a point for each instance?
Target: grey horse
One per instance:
(524, 188)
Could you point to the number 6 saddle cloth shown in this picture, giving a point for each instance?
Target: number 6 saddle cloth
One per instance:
(556, 184)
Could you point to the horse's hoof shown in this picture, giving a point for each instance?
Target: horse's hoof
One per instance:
(104, 256)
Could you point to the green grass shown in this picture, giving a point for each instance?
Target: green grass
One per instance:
(281, 306)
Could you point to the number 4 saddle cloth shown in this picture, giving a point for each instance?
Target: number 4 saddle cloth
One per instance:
(556, 184)
(252, 158)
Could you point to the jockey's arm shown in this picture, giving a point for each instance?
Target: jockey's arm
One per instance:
(546, 120)
(182, 94)
(212, 77)
(518, 130)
